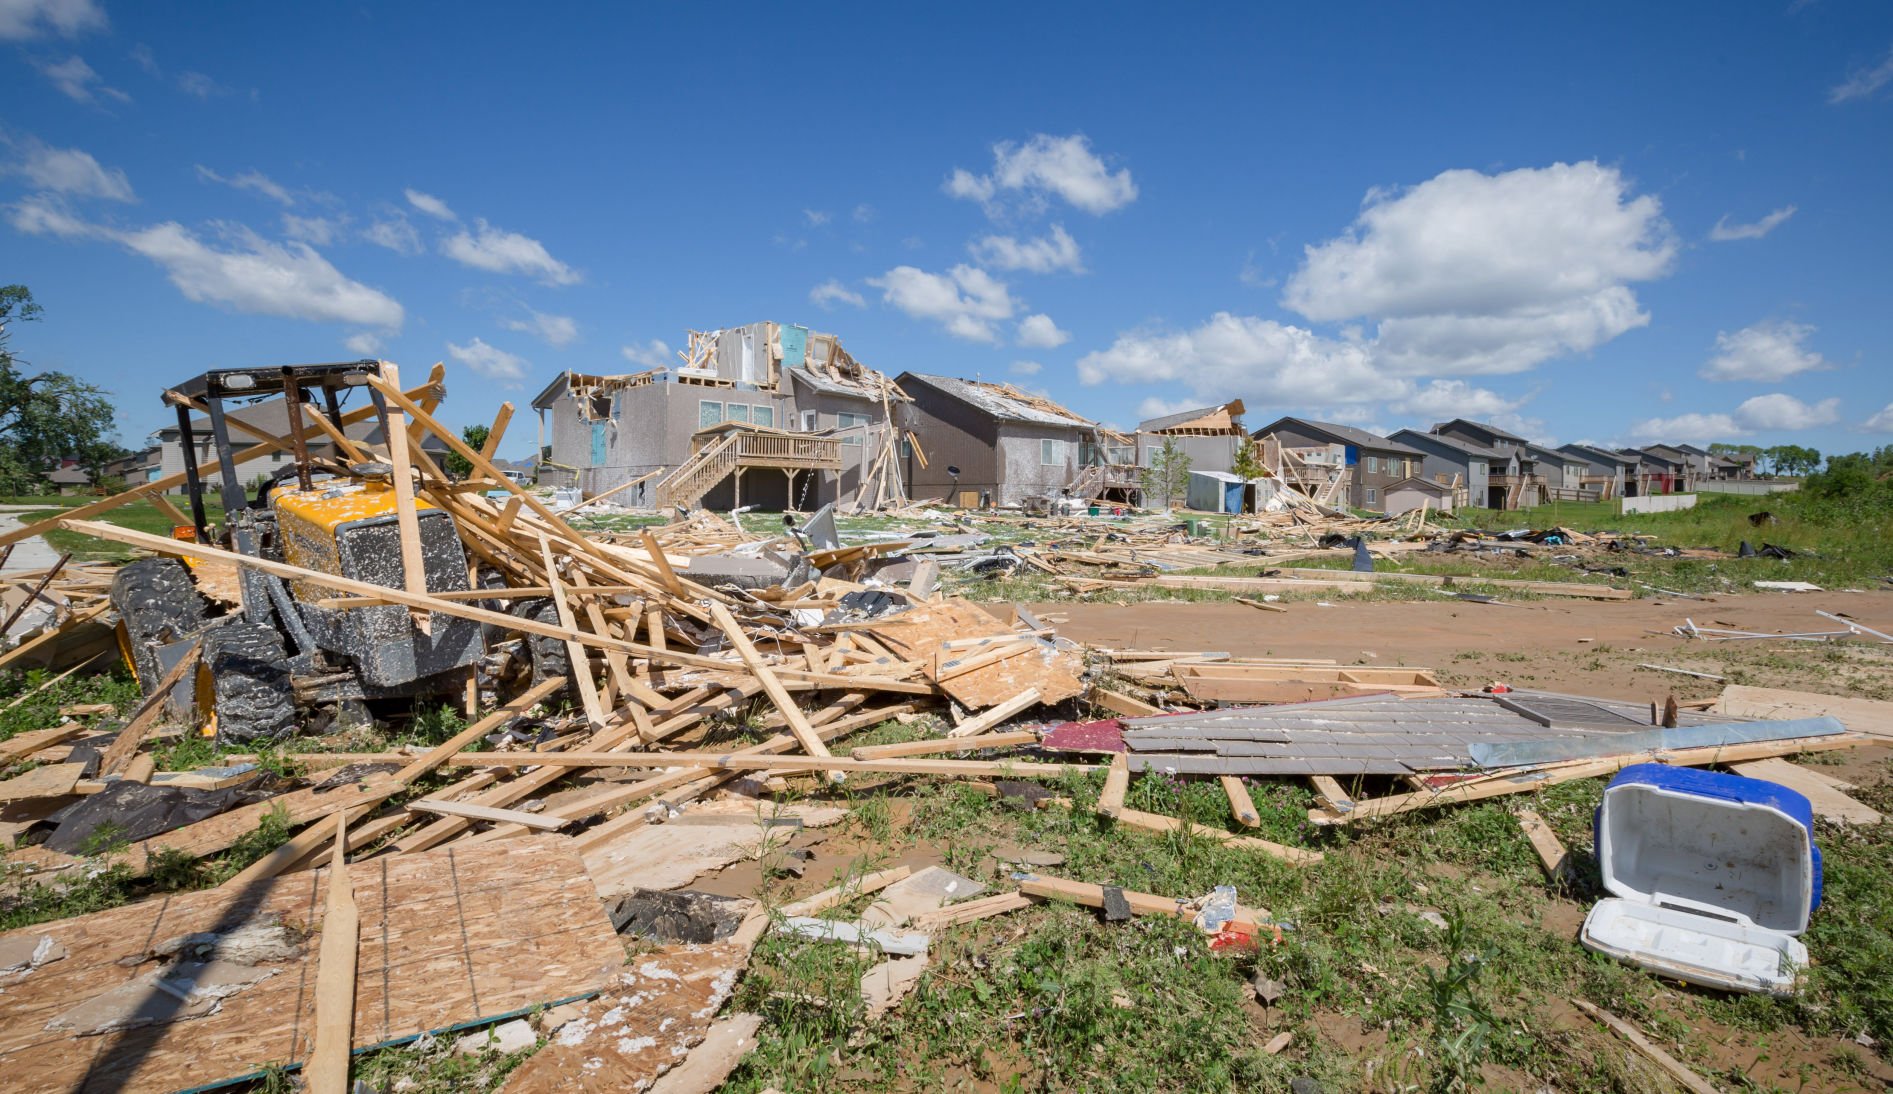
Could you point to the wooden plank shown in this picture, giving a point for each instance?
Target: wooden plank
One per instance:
(497, 431)
(1828, 802)
(743, 761)
(126, 744)
(1154, 822)
(982, 722)
(1671, 1066)
(1329, 793)
(935, 745)
(798, 722)
(470, 811)
(575, 651)
(1126, 705)
(21, 745)
(1116, 782)
(849, 889)
(45, 781)
(327, 1069)
(1551, 853)
(1240, 803)
(1092, 896)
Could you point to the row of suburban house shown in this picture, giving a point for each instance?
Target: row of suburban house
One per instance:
(780, 416)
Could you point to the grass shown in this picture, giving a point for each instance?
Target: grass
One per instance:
(140, 516)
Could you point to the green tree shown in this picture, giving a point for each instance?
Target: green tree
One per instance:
(1248, 462)
(1168, 473)
(459, 466)
(1793, 459)
(47, 416)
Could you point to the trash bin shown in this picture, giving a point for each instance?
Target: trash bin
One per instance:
(1093, 511)
(1712, 876)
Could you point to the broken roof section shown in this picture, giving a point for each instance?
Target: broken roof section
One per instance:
(1004, 401)
(1221, 420)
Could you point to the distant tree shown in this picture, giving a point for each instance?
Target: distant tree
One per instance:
(1793, 459)
(48, 416)
(459, 466)
(1168, 473)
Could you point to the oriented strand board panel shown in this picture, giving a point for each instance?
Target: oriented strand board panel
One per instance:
(447, 938)
(917, 635)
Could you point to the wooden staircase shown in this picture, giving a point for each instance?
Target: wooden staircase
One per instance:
(724, 451)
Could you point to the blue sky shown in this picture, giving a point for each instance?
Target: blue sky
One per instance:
(1622, 223)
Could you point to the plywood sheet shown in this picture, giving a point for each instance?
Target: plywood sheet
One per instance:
(706, 837)
(917, 635)
(447, 938)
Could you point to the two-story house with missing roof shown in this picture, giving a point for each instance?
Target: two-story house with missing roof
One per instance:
(1300, 449)
(772, 415)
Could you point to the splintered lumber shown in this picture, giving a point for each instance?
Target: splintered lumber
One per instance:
(470, 811)
(1240, 803)
(327, 1070)
(125, 745)
(985, 721)
(798, 721)
(818, 903)
(1551, 853)
(1262, 604)
(746, 761)
(1116, 782)
(21, 745)
(1092, 896)
(947, 744)
(1330, 794)
(971, 910)
(1524, 780)
(1156, 822)
(413, 566)
(1671, 1066)
(1119, 703)
(45, 781)
(575, 652)
(1827, 799)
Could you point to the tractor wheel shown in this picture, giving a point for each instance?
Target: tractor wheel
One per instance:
(243, 680)
(549, 655)
(157, 604)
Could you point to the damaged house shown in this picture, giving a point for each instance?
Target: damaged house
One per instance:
(770, 414)
(993, 444)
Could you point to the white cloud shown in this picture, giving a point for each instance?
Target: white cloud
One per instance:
(863, 213)
(554, 330)
(1472, 274)
(1782, 411)
(363, 344)
(1863, 83)
(490, 248)
(1766, 351)
(141, 54)
(1046, 254)
(77, 81)
(1156, 406)
(252, 180)
(652, 354)
(1881, 422)
(46, 214)
(70, 171)
(198, 85)
(318, 231)
(1763, 413)
(489, 361)
(1039, 332)
(1723, 232)
(1045, 167)
(429, 204)
(815, 217)
(24, 19)
(965, 300)
(262, 277)
(832, 292)
(1026, 368)
(1255, 358)
(1446, 399)
(396, 234)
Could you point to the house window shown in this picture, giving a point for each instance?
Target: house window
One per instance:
(1373, 496)
(1370, 464)
(709, 413)
(763, 416)
(1051, 453)
(808, 421)
(738, 412)
(845, 420)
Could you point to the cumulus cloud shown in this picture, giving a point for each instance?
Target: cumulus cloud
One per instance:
(253, 181)
(1026, 368)
(489, 361)
(490, 248)
(1046, 254)
(1881, 422)
(1863, 83)
(1766, 351)
(966, 301)
(816, 217)
(1042, 168)
(553, 330)
(1475, 274)
(69, 171)
(1156, 406)
(429, 204)
(1723, 232)
(1259, 358)
(1763, 413)
(1445, 399)
(652, 354)
(21, 20)
(77, 81)
(831, 292)
(394, 233)
(1039, 332)
(363, 344)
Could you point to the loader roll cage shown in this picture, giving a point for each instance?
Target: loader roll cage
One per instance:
(298, 384)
